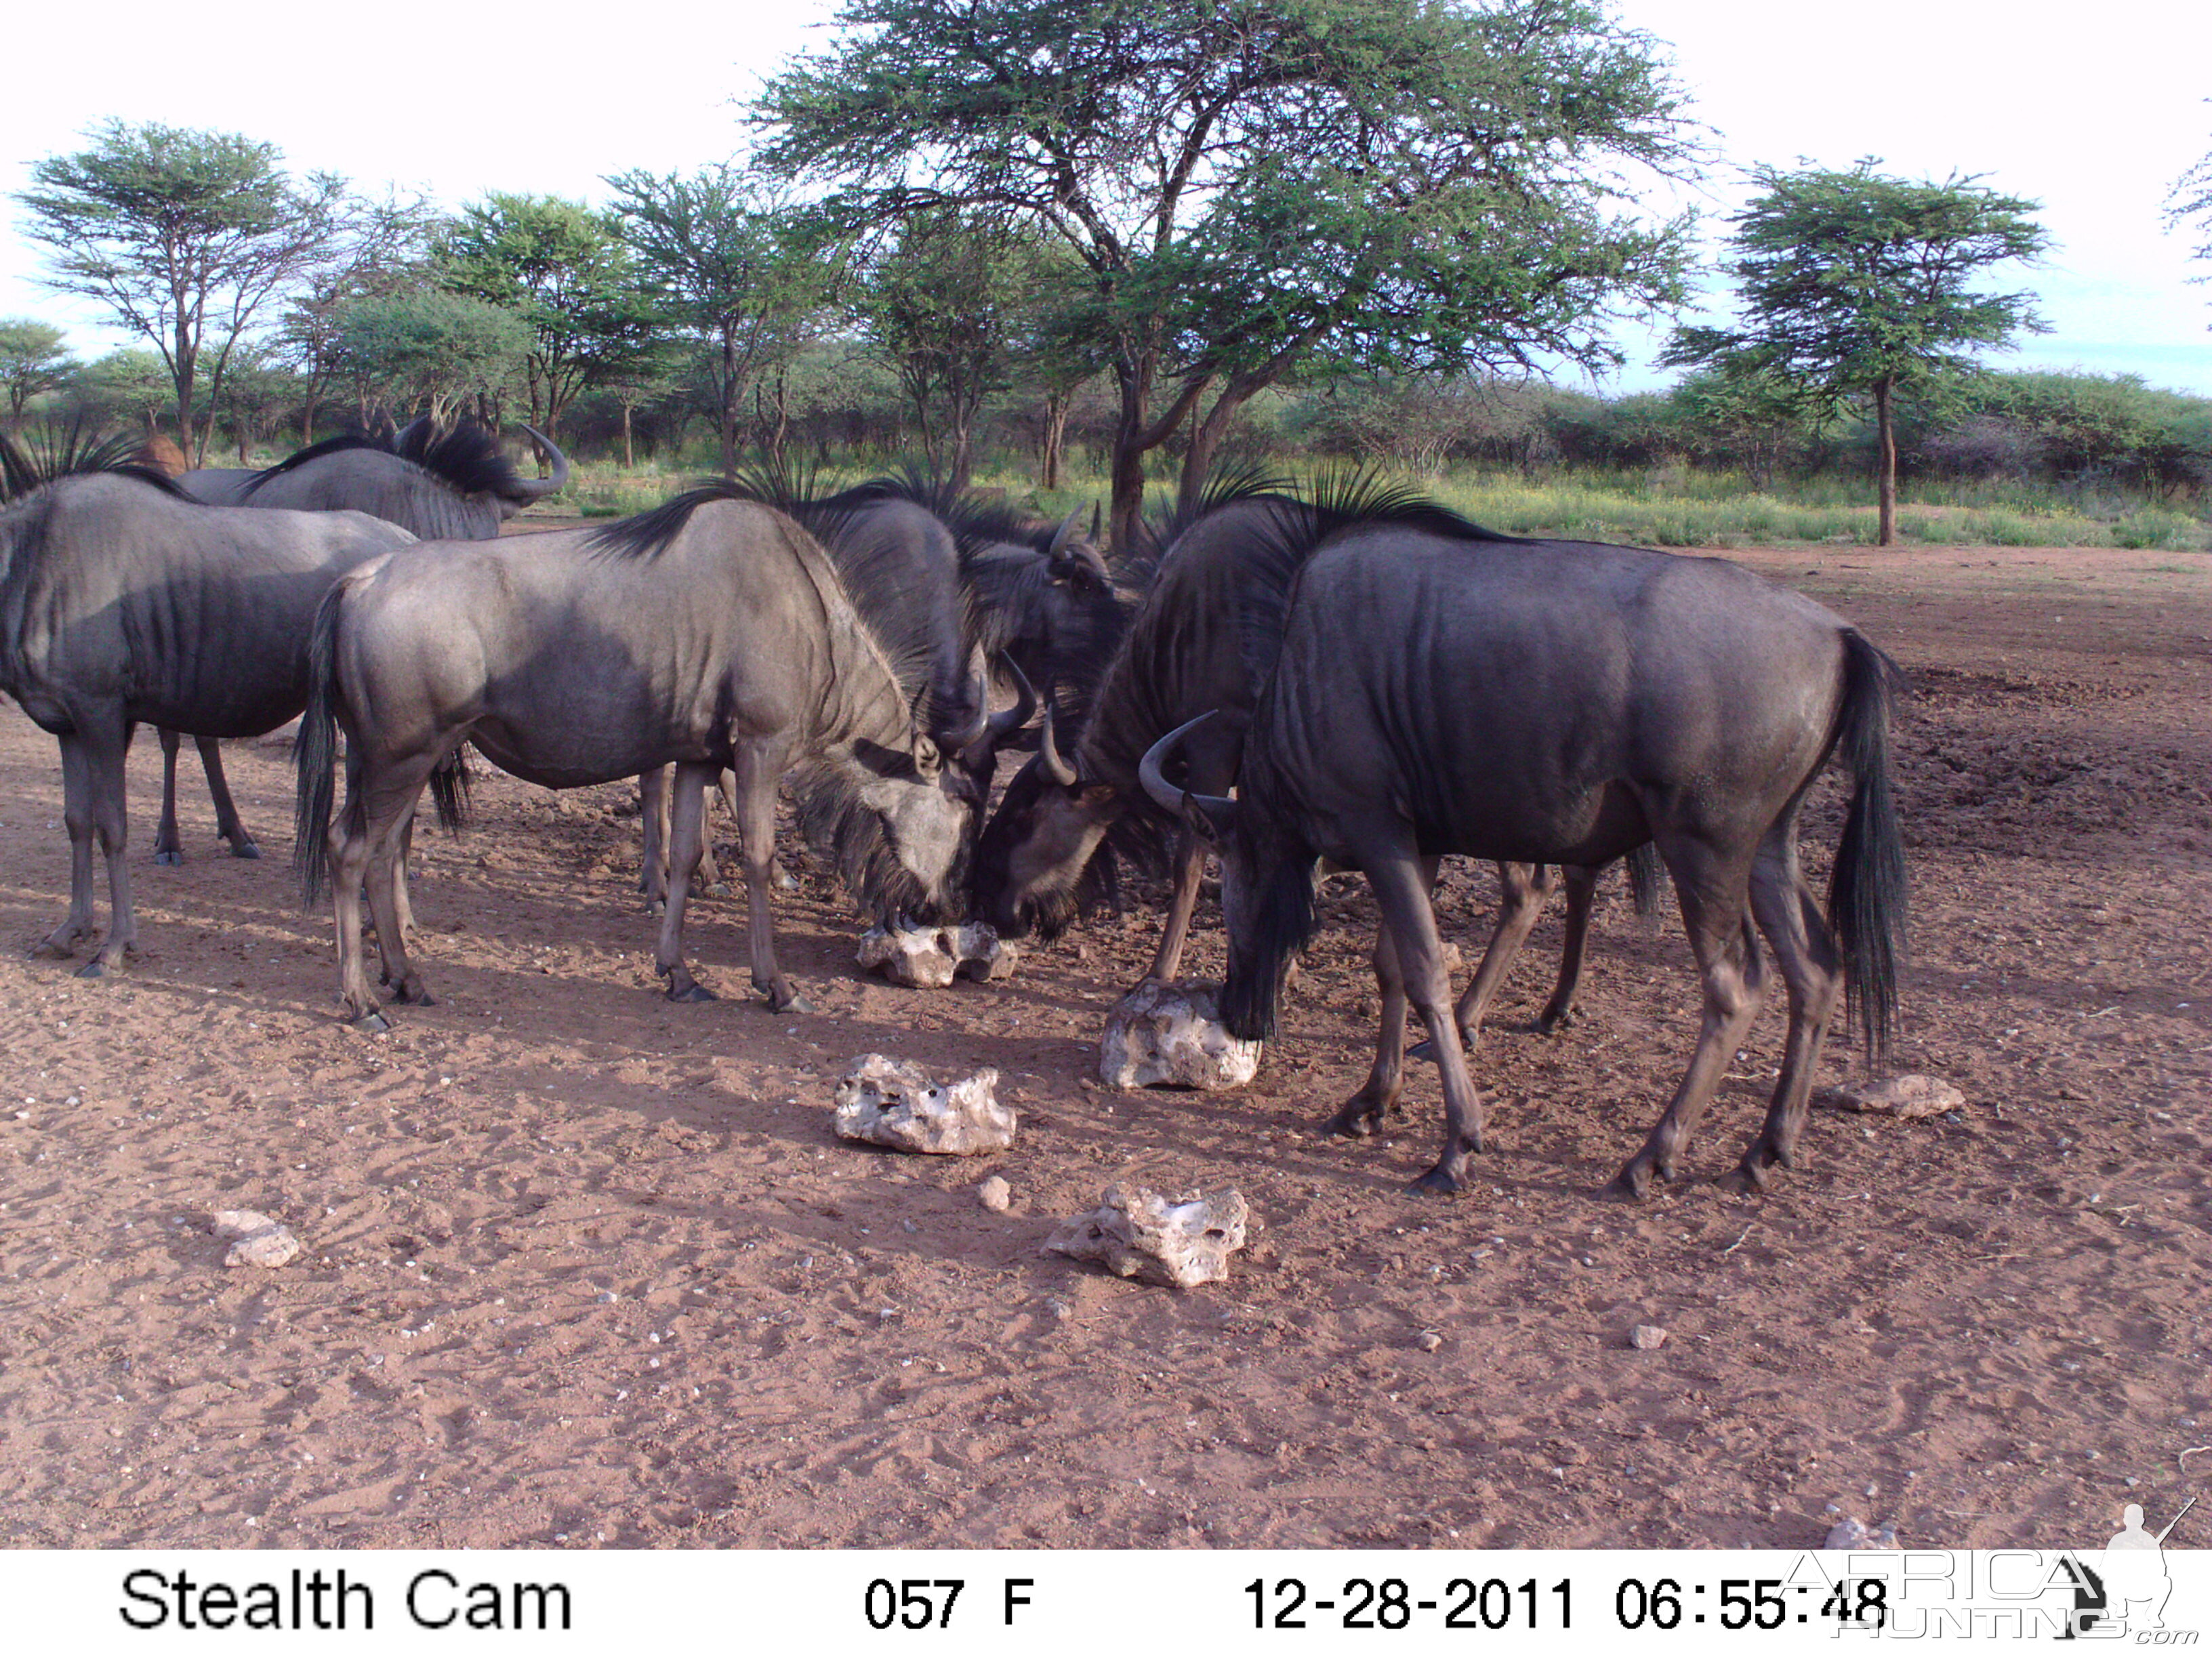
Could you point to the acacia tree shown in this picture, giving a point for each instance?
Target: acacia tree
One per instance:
(1854, 286)
(947, 303)
(565, 270)
(737, 262)
(2189, 203)
(185, 235)
(384, 254)
(34, 357)
(1256, 185)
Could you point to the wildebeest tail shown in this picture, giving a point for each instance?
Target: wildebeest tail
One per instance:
(315, 755)
(449, 790)
(1284, 923)
(1647, 878)
(1867, 893)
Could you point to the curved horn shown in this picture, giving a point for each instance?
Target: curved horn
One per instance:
(1050, 759)
(1094, 520)
(401, 438)
(1008, 722)
(1065, 534)
(537, 490)
(1219, 810)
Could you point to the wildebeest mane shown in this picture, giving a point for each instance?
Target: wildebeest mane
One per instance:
(1330, 505)
(467, 459)
(76, 452)
(834, 818)
(899, 634)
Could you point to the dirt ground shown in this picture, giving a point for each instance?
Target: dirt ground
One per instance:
(582, 1267)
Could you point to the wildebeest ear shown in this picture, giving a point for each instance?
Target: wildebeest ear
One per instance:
(928, 759)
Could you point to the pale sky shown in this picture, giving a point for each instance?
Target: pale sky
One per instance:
(2094, 111)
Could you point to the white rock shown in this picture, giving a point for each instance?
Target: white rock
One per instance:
(933, 957)
(1136, 1233)
(892, 1103)
(1853, 1534)
(1913, 1095)
(1647, 1337)
(261, 1241)
(995, 1195)
(1172, 1034)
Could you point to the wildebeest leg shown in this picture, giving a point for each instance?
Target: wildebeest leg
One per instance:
(76, 818)
(1718, 921)
(227, 823)
(387, 895)
(169, 845)
(375, 809)
(104, 744)
(1399, 882)
(652, 811)
(685, 819)
(402, 904)
(1581, 894)
(1190, 865)
(710, 875)
(760, 764)
(1363, 1114)
(1523, 892)
(1812, 967)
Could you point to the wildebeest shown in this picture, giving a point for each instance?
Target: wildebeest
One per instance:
(453, 485)
(1185, 654)
(123, 601)
(712, 632)
(1436, 690)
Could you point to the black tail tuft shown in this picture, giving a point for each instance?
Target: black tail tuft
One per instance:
(1867, 894)
(1647, 878)
(449, 791)
(316, 753)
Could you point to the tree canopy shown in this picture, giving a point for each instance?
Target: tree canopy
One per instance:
(562, 268)
(736, 262)
(185, 235)
(34, 357)
(1853, 285)
(1253, 184)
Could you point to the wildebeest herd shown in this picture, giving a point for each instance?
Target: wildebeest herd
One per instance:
(1340, 672)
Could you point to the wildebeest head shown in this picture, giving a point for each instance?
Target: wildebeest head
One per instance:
(1032, 856)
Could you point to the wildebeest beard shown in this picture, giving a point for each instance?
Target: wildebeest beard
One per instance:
(842, 808)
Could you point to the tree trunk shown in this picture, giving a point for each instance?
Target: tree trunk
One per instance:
(1885, 433)
(630, 458)
(729, 401)
(1056, 404)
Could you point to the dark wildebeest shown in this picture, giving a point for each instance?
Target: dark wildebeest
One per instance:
(122, 601)
(1184, 655)
(456, 485)
(1436, 690)
(712, 632)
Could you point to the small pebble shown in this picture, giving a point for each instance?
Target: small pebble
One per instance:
(1647, 1337)
(1428, 1342)
(995, 1195)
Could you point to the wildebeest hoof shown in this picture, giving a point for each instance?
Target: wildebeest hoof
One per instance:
(1548, 1021)
(717, 890)
(1358, 1120)
(243, 850)
(786, 1002)
(694, 991)
(416, 995)
(168, 856)
(1634, 1180)
(371, 1024)
(1441, 1180)
(95, 970)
